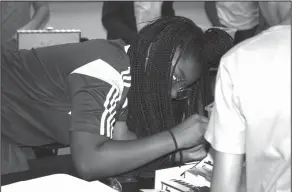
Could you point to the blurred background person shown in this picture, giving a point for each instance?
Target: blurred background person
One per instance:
(17, 16)
(240, 15)
(263, 24)
(124, 19)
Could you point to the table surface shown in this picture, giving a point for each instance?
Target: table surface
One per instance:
(57, 182)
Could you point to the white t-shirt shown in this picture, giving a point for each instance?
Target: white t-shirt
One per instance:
(252, 109)
(146, 12)
(241, 15)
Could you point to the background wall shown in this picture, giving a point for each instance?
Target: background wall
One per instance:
(86, 16)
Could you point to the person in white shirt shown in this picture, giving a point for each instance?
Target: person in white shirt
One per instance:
(250, 125)
(240, 15)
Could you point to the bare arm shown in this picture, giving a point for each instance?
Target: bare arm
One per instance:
(101, 157)
(227, 172)
(211, 11)
(226, 129)
(96, 156)
(40, 17)
(121, 132)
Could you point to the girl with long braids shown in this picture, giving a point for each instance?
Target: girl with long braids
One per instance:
(75, 94)
(166, 83)
(169, 66)
(166, 64)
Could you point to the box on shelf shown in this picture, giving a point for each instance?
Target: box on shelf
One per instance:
(28, 39)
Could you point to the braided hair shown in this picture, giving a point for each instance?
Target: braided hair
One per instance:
(216, 43)
(151, 56)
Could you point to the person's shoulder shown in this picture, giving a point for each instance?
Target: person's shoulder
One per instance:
(115, 54)
(257, 53)
(113, 61)
(265, 42)
(274, 35)
(111, 51)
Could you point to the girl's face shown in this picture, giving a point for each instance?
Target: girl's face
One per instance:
(187, 72)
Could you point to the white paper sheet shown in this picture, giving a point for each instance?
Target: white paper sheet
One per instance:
(57, 182)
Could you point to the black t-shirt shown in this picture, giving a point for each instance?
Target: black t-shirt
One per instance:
(48, 92)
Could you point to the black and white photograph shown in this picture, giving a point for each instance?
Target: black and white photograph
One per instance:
(146, 96)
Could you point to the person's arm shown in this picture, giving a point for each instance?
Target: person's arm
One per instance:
(196, 153)
(121, 132)
(112, 22)
(40, 17)
(94, 154)
(211, 11)
(227, 172)
(226, 129)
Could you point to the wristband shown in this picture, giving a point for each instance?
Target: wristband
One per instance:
(176, 149)
(174, 140)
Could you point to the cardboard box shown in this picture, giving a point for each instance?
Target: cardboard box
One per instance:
(28, 39)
